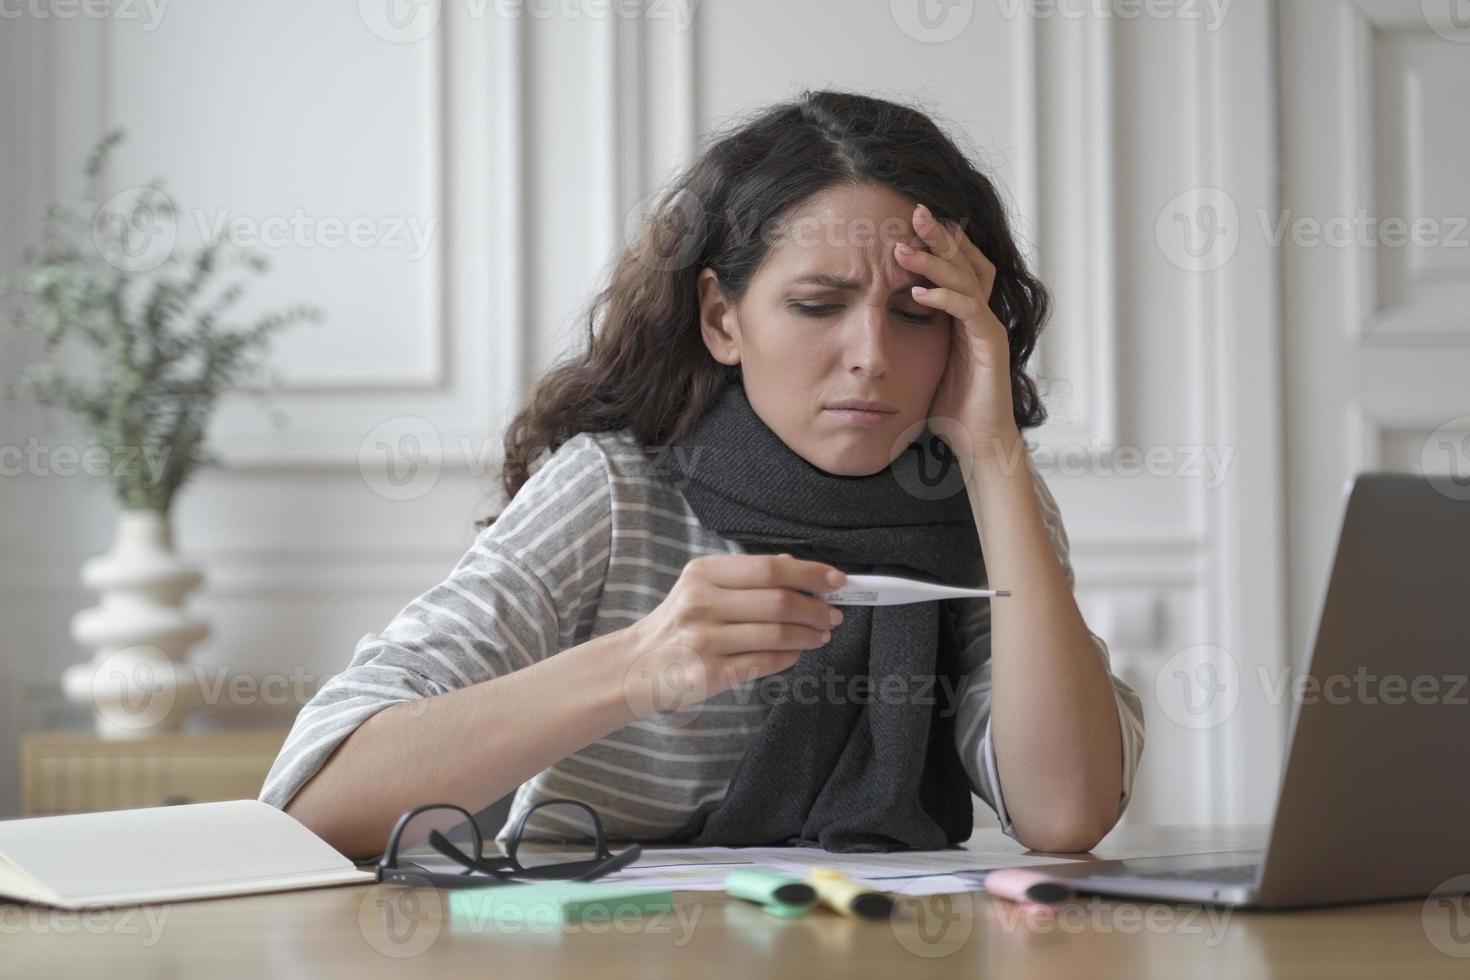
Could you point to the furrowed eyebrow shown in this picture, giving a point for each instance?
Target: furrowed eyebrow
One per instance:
(841, 282)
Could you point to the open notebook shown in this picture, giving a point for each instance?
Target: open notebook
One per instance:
(164, 854)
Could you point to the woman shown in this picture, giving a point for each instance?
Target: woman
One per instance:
(837, 248)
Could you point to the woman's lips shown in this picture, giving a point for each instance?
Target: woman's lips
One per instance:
(853, 416)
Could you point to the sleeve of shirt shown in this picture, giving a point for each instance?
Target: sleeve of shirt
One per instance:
(527, 588)
(973, 715)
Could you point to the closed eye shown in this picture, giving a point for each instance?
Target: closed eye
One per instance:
(826, 309)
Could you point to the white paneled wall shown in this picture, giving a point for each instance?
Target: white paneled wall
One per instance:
(1378, 338)
(526, 144)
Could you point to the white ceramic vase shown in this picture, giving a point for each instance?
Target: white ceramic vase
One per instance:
(137, 682)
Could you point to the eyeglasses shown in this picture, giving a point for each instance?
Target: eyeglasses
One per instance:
(594, 861)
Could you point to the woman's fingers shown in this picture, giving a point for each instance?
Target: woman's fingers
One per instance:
(744, 603)
(935, 234)
(773, 606)
(737, 638)
(744, 667)
(953, 261)
(984, 268)
(960, 305)
(936, 270)
(766, 571)
(946, 264)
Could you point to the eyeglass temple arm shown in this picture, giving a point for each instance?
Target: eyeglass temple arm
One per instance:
(612, 863)
(441, 844)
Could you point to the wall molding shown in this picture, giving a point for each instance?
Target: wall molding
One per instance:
(1068, 72)
(477, 324)
(433, 375)
(1238, 310)
(55, 579)
(1366, 425)
(1415, 321)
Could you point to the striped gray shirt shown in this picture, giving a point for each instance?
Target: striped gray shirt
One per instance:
(592, 543)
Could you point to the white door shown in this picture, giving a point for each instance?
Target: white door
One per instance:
(1376, 260)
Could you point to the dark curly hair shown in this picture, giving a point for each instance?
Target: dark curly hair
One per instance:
(647, 369)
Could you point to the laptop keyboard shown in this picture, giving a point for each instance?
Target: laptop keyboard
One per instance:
(1235, 873)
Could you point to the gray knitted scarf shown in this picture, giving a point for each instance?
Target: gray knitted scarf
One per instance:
(875, 767)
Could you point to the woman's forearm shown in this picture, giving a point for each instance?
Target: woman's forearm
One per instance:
(469, 746)
(1053, 713)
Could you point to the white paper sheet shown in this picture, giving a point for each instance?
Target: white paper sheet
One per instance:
(688, 871)
(895, 864)
(899, 872)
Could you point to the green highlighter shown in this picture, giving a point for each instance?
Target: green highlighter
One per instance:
(553, 901)
(777, 894)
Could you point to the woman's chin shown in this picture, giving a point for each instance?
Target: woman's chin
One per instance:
(856, 460)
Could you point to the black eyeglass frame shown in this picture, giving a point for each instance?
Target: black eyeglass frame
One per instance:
(480, 871)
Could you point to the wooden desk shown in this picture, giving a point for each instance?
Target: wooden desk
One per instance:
(77, 772)
(387, 931)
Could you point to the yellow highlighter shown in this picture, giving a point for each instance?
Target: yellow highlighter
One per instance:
(837, 891)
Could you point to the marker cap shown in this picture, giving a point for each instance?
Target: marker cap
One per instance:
(770, 888)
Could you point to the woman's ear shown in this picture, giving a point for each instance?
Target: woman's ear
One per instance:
(718, 324)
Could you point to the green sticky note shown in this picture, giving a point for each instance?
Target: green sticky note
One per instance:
(553, 901)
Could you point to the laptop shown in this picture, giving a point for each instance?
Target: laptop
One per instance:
(1374, 799)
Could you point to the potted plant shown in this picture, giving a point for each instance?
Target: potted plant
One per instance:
(108, 286)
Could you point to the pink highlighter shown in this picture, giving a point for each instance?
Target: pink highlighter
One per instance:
(1032, 890)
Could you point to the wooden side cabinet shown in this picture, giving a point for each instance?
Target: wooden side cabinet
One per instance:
(77, 772)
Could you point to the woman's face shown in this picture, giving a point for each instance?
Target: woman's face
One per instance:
(829, 317)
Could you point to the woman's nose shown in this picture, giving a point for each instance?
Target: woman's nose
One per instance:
(866, 339)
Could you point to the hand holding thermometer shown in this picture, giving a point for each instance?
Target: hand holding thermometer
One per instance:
(889, 590)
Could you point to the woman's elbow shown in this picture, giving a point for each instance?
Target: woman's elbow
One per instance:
(1077, 832)
(339, 826)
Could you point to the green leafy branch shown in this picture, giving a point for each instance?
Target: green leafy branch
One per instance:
(154, 328)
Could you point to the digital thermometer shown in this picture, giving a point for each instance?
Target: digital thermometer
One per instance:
(889, 590)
